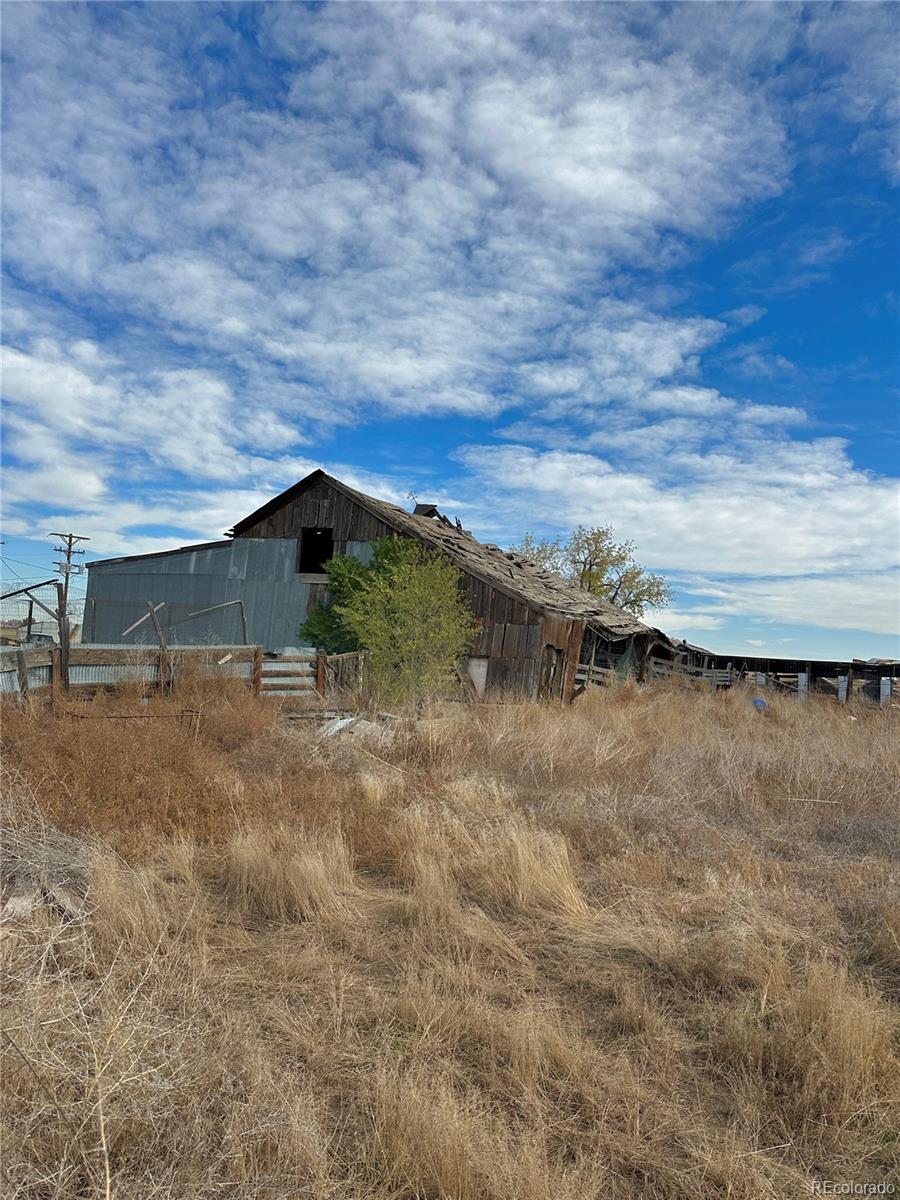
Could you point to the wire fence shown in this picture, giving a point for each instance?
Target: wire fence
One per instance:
(28, 671)
(28, 615)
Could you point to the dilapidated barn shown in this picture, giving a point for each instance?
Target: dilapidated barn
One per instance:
(539, 636)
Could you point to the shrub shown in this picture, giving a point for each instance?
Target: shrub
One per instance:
(409, 616)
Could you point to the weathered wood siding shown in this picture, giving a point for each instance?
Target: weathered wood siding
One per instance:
(512, 635)
(322, 507)
(566, 635)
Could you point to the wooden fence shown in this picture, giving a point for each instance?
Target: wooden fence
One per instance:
(299, 675)
(867, 683)
(40, 669)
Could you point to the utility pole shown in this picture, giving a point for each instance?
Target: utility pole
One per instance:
(66, 568)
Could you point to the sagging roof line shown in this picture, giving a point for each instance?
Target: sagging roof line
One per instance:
(536, 588)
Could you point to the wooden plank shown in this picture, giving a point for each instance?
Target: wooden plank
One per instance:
(85, 656)
(151, 612)
(298, 674)
(22, 673)
(54, 675)
(496, 650)
(81, 656)
(38, 656)
(514, 641)
(235, 654)
(292, 686)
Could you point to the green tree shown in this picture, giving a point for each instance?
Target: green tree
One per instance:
(405, 610)
(324, 628)
(546, 553)
(594, 560)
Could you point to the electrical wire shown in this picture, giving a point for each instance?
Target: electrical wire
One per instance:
(37, 566)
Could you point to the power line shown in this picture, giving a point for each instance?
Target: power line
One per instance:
(17, 574)
(37, 566)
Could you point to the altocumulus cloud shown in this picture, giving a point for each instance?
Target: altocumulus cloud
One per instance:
(224, 249)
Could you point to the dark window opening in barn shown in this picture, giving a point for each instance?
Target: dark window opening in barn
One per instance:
(316, 548)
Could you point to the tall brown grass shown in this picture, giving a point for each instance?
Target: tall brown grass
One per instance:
(645, 946)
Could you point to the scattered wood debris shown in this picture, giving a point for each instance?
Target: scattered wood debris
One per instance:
(357, 726)
(42, 866)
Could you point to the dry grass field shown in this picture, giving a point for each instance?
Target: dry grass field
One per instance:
(646, 946)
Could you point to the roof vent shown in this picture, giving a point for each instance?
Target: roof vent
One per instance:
(425, 510)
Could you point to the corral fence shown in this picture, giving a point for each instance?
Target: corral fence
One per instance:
(43, 669)
(841, 682)
(288, 675)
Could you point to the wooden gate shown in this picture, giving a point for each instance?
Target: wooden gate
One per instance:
(292, 676)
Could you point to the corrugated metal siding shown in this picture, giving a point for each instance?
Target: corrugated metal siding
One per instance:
(364, 551)
(114, 673)
(137, 668)
(260, 571)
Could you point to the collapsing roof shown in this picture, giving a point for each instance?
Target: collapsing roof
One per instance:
(502, 569)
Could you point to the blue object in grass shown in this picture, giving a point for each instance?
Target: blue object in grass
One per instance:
(759, 704)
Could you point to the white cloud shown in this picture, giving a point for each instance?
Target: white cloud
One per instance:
(793, 508)
(802, 258)
(856, 52)
(439, 216)
(690, 401)
(677, 623)
(428, 264)
(771, 414)
(854, 599)
(747, 314)
(186, 421)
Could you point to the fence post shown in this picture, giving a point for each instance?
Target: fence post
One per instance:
(885, 689)
(256, 677)
(62, 618)
(320, 672)
(22, 673)
(842, 689)
(54, 675)
(803, 685)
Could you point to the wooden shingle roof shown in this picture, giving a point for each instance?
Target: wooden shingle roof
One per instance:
(510, 573)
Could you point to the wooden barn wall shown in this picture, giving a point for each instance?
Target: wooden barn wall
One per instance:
(512, 635)
(509, 637)
(565, 634)
(322, 507)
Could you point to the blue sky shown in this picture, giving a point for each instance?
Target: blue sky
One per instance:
(627, 264)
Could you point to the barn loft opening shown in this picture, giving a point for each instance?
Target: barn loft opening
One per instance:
(316, 548)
